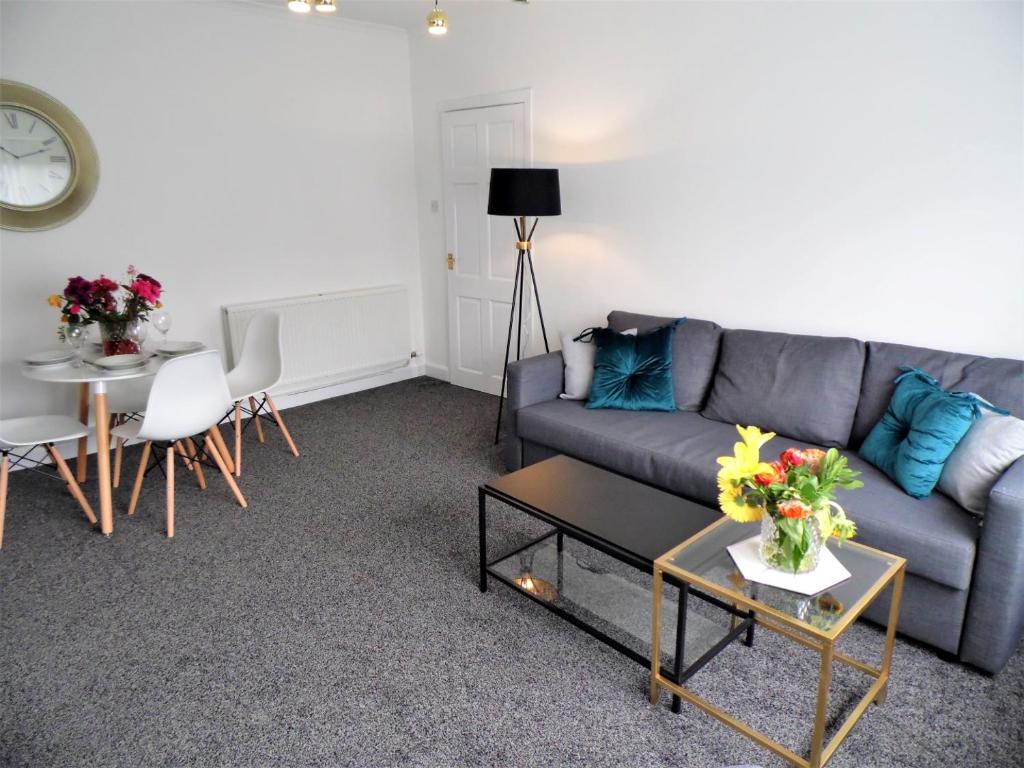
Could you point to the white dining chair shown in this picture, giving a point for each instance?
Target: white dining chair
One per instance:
(258, 371)
(28, 433)
(188, 398)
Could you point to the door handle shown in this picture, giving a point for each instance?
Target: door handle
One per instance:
(451, 261)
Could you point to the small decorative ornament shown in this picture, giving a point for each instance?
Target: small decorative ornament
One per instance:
(793, 497)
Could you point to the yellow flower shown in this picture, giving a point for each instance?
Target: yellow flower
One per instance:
(159, 305)
(747, 461)
(54, 300)
(730, 500)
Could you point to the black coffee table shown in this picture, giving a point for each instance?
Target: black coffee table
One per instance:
(625, 519)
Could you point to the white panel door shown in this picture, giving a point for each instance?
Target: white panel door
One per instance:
(484, 248)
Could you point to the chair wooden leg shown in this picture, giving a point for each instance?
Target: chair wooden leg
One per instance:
(140, 475)
(222, 447)
(170, 491)
(259, 426)
(211, 448)
(76, 491)
(4, 468)
(185, 458)
(238, 439)
(193, 453)
(118, 451)
(280, 424)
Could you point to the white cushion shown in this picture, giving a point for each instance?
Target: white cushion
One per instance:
(990, 446)
(579, 365)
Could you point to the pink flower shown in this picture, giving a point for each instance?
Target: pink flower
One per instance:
(74, 309)
(146, 290)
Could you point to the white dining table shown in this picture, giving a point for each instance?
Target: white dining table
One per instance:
(93, 382)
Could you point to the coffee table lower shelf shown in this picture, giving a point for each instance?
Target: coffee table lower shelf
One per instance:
(742, 623)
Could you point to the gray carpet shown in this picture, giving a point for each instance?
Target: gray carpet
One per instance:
(338, 622)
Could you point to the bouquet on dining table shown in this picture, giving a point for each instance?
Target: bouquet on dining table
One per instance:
(106, 301)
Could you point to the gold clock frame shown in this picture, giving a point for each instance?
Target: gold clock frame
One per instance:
(84, 161)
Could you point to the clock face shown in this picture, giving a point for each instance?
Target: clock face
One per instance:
(37, 167)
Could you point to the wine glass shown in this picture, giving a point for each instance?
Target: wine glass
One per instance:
(162, 322)
(75, 336)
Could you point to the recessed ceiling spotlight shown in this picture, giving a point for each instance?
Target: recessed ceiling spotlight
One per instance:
(326, 6)
(299, 6)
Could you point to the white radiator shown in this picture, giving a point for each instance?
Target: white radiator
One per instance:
(332, 337)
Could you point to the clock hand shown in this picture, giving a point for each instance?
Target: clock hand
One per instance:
(38, 151)
(5, 149)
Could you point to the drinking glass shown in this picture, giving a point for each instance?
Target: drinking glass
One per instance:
(75, 336)
(162, 322)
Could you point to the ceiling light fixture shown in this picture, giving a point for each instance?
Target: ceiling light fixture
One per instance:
(299, 6)
(437, 21)
(326, 6)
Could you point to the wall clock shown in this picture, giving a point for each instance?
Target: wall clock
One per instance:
(48, 164)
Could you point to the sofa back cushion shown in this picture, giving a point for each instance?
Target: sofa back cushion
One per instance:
(803, 387)
(998, 380)
(694, 351)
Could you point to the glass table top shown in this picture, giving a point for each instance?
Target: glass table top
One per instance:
(704, 562)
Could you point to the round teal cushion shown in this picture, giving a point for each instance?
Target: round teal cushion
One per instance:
(634, 373)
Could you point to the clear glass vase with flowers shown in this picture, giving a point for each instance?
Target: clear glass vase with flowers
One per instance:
(118, 308)
(793, 497)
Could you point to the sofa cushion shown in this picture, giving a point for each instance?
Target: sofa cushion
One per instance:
(675, 451)
(633, 373)
(802, 386)
(918, 432)
(936, 535)
(998, 380)
(694, 352)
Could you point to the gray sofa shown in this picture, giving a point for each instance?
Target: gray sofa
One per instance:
(964, 592)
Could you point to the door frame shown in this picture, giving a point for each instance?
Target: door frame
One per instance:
(522, 96)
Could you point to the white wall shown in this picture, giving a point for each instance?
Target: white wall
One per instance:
(833, 168)
(245, 154)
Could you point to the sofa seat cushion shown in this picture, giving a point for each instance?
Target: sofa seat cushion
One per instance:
(694, 352)
(675, 451)
(936, 535)
(803, 386)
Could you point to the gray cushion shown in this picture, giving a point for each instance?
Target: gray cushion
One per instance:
(805, 387)
(675, 451)
(694, 351)
(998, 380)
(936, 535)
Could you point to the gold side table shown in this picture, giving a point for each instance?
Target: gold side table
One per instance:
(816, 622)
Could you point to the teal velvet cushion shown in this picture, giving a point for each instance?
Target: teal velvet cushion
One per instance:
(918, 431)
(634, 373)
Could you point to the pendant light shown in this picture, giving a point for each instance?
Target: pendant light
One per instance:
(299, 6)
(437, 21)
(326, 6)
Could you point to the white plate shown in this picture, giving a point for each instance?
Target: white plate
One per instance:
(172, 348)
(120, 362)
(49, 357)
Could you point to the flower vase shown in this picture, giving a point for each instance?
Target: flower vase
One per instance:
(120, 337)
(776, 551)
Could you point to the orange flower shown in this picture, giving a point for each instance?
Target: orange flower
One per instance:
(777, 475)
(812, 458)
(794, 509)
(54, 300)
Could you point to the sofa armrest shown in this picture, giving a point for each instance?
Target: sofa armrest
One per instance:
(995, 611)
(530, 381)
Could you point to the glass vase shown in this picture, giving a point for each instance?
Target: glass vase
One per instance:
(774, 553)
(120, 337)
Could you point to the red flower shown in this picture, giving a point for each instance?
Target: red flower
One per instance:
(74, 309)
(777, 475)
(146, 290)
(791, 457)
(104, 285)
(79, 290)
(794, 509)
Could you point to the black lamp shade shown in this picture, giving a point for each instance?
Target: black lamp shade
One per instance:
(524, 192)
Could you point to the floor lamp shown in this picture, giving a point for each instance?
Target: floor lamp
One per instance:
(522, 192)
